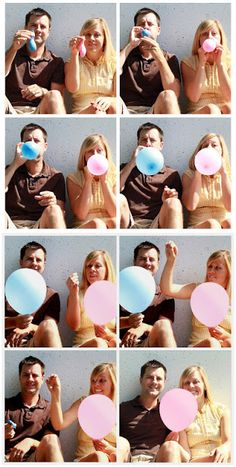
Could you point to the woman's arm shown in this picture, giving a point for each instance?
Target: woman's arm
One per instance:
(223, 74)
(79, 198)
(226, 188)
(223, 452)
(109, 196)
(168, 287)
(72, 68)
(183, 441)
(59, 419)
(191, 190)
(73, 306)
(194, 79)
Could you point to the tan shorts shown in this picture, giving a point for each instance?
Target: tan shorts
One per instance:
(22, 224)
(140, 109)
(30, 458)
(20, 109)
(144, 223)
(143, 458)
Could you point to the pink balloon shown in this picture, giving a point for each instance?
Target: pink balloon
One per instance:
(178, 409)
(97, 164)
(209, 303)
(209, 45)
(97, 416)
(82, 50)
(100, 302)
(208, 161)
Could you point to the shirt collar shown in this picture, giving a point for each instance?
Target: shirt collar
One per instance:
(45, 57)
(136, 403)
(41, 404)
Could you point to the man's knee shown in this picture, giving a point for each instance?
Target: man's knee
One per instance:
(170, 448)
(48, 326)
(173, 205)
(162, 326)
(53, 97)
(50, 440)
(52, 211)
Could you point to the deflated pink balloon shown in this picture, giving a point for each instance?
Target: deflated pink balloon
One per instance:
(100, 302)
(209, 45)
(97, 416)
(178, 409)
(208, 161)
(209, 303)
(82, 50)
(97, 164)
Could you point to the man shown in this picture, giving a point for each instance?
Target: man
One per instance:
(141, 424)
(34, 79)
(153, 200)
(39, 329)
(150, 79)
(154, 327)
(35, 192)
(33, 439)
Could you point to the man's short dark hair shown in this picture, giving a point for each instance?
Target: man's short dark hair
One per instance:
(149, 126)
(32, 127)
(37, 12)
(145, 11)
(32, 246)
(146, 246)
(31, 361)
(152, 364)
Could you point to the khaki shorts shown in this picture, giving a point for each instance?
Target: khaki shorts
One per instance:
(30, 458)
(22, 224)
(140, 109)
(144, 223)
(20, 109)
(143, 458)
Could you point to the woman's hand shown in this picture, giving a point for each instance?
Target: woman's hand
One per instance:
(73, 282)
(75, 44)
(171, 251)
(103, 103)
(203, 56)
(221, 454)
(54, 385)
(103, 446)
(88, 177)
(218, 52)
(172, 436)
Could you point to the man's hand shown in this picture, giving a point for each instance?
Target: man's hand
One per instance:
(171, 250)
(134, 320)
(19, 159)
(32, 92)
(169, 193)
(132, 336)
(135, 37)
(23, 321)
(20, 38)
(9, 431)
(54, 385)
(20, 449)
(46, 198)
(153, 47)
(17, 336)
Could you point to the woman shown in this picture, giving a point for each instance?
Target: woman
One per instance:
(206, 75)
(219, 272)
(208, 197)
(207, 439)
(97, 267)
(102, 381)
(93, 198)
(91, 79)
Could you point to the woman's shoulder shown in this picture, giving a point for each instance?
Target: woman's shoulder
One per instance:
(189, 172)
(190, 61)
(219, 408)
(76, 177)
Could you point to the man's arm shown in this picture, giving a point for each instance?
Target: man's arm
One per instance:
(18, 452)
(20, 38)
(14, 165)
(127, 169)
(134, 41)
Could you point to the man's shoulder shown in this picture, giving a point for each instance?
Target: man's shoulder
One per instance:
(52, 170)
(53, 56)
(129, 403)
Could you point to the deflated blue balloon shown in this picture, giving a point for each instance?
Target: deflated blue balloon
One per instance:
(149, 161)
(25, 290)
(137, 289)
(30, 150)
(32, 45)
(145, 33)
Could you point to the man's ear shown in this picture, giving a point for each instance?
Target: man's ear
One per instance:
(161, 144)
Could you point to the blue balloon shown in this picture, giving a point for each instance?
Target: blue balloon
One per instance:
(149, 161)
(25, 290)
(145, 33)
(137, 289)
(32, 45)
(30, 150)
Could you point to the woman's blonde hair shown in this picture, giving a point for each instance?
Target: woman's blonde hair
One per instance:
(189, 371)
(110, 271)
(111, 368)
(226, 256)
(202, 142)
(109, 52)
(89, 143)
(206, 26)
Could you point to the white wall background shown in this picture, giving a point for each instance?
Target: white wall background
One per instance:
(179, 22)
(65, 137)
(190, 267)
(64, 256)
(216, 363)
(73, 368)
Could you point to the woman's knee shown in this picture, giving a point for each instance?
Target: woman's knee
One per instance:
(99, 224)
(212, 109)
(213, 224)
